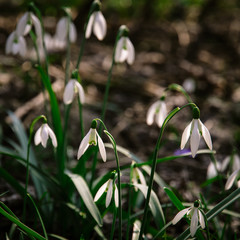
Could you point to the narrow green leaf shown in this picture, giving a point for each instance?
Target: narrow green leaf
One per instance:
(154, 205)
(174, 199)
(87, 198)
(21, 225)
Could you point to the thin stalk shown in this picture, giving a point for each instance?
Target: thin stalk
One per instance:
(81, 118)
(68, 51)
(113, 224)
(27, 171)
(154, 164)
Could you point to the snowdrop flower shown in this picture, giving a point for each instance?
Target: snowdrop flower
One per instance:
(72, 87)
(137, 176)
(92, 138)
(97, 24)
(124, 49)
(62, 31)
(25, 24)
(43, 134)
(212, 170)
(194, 131)
(108, 187)
(195, 214)
(157, 110)
(232, 179)
(16, 45)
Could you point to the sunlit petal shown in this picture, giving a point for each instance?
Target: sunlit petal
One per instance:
(84, 145)
(61, 29)
(81, 93)
(116, 200)
(180, 215)
(206, 135)
(186, 135)
(89, 26)
(231, 179)
(151, 112)
(44, 134)
(131, 51)
(109, 192)
(195, 138)
(72, 33)
(20, 29)
(102, 149)
(22, 46)
(100, 191)
(119, 48)
(52, 136)
(9, 43)
(37, 25)
(68, 94)
(201, 219)
(99, 26)
(37, 137)
(141, 177)
(194, 222)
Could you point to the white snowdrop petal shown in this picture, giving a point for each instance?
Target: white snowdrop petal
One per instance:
(109, 192)
(9, 43)
(37, 137)
(52, 136)
(90, 26)
(100, 191)
(68, 94)
(206, 135)
(231, 179)
(201, 219)
(61, 29)
(102, 149)
(194, 222)
(225, 163)
(236, 162)
(116, 200)
(151, 113)
(131, 51)
(123, 55)
(20, 29)
(186, 135)
(81, 93)
(119, 48)
(179, 216)
(162, 114)
(141, 177)
(84, 145)
(37, 25)
(44, 134)
(15, 48)
(72, 33)
(195, 138)
(99, 26)
(22, 46)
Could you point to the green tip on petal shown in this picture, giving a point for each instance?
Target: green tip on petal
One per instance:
(196, 113)
(96, 5)
(162, 98)
(124, 31)
(94, 124)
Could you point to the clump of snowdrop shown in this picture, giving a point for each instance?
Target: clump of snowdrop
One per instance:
(72, 87)
(42, 135)
(157, 112)
(124, 49)
(92, 138)
(96, 23)
(195, 214)
(16, 45)
(194, 131)
(64, 27)
(111, 188)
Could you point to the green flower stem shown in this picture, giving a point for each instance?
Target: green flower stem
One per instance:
(28, 153)
(154, 164)
(81, 118)
(113, 223)
(118, 178)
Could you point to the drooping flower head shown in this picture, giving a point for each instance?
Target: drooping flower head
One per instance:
(137, 176)
(16, 45)
(194, 131)
(42, 135)
(124, 48)
(96, 22)
(25, 24)
(195, 214)
(92, 138)
(72, 87)
(157, 111)
(64, 27)
(111, 188)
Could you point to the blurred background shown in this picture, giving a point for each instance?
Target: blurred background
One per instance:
(194, 43)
